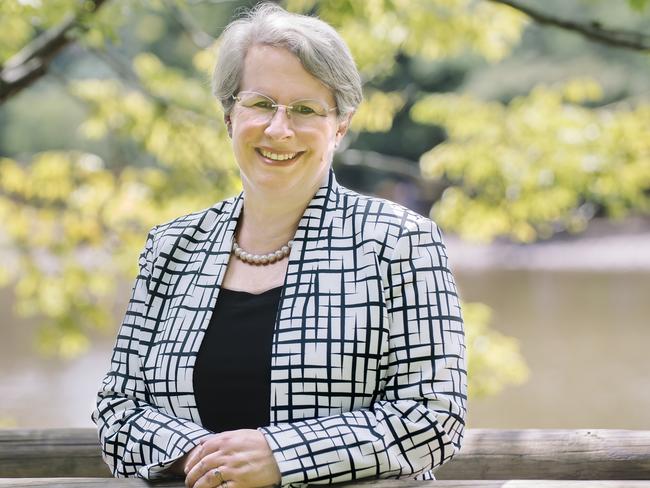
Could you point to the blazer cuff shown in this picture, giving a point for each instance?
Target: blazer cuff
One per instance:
(179, 443)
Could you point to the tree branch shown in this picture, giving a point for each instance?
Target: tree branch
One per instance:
(381, 162)
(613, 37)
(214, 2)
(123, 71)
(31, 62)
(198, 36)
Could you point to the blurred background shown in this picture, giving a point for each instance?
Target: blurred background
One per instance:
(521, 127)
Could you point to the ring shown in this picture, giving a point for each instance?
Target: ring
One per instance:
(216, 472)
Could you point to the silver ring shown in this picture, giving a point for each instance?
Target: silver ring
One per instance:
(216, 472)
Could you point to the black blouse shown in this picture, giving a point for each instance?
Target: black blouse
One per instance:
(232, 375)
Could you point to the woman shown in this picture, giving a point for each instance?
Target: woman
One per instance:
(333, 311)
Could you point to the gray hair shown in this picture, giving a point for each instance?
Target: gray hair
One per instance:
(320, 49)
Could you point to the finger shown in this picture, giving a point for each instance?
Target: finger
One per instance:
(205, 465)
(231, 484)
(197, 453)
(193, 457)
(228, 483)
(194, 471)
(211, 479)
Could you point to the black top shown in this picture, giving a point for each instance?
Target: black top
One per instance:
(232, 375)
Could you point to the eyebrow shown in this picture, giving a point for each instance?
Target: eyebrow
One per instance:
(297, 99)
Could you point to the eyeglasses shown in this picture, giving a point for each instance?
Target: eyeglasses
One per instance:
(263, 108)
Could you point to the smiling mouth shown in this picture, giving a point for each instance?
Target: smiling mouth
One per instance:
(273, 156)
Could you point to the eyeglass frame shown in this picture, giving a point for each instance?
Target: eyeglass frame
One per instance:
(287, 108)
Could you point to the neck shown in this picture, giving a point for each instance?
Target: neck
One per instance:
(268, 223)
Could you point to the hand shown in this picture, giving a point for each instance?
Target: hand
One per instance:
(178, 467)
(243, 458)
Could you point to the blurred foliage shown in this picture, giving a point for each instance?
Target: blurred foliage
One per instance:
(20, 21)
(151, 145)
(376, 30)
(75, 220)
(639, 5)
(494, 360)
(538, 165)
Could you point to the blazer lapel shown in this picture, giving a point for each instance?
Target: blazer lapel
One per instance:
(315, 222)
(205, 252)
(214, 244)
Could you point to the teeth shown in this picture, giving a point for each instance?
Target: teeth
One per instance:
(277, 157)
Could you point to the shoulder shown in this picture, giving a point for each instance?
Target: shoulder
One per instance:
(195, 226)
(395, 233)
(384, 220)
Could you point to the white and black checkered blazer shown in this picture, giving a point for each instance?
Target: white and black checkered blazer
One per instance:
(367, 368)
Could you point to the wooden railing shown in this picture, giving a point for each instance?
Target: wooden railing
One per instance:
(65, 458)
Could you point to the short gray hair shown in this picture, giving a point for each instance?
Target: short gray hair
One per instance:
(320, 49)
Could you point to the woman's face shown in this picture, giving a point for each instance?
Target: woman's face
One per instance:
(283, 155)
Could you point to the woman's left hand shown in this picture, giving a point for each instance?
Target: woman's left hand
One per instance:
(243, 458)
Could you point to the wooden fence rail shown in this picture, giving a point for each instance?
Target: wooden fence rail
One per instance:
(488, 454)
(136, 483)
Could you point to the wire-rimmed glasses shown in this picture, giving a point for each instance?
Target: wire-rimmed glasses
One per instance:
(263, 108)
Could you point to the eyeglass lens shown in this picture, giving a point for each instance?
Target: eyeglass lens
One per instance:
(262, 106)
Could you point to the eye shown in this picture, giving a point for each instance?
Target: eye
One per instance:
(256, 101)
(263, 104)
(302, 109)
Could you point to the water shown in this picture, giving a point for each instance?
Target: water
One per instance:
(584, 335)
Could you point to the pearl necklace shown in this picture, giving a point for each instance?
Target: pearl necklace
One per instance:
(261, 259)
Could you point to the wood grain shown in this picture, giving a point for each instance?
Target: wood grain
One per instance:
(487, 454)
(552, 454)
(135, 483)
(50, 453)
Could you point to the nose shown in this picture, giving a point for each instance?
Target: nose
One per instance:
(279, 127)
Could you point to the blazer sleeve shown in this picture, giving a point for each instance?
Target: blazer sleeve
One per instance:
(138, 439)
(417, 423)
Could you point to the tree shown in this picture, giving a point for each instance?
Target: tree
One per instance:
(75, 220)
(75, 217)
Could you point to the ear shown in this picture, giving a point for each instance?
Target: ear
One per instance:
(342, 129)
(228, 122)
